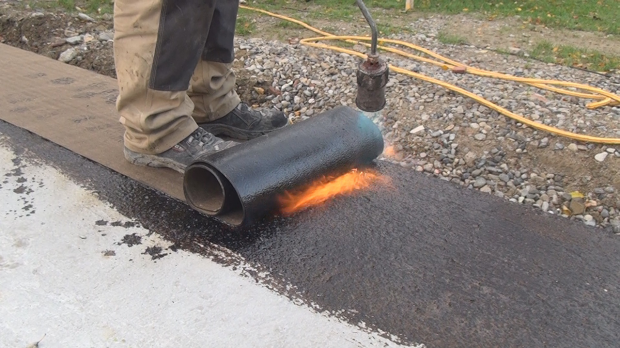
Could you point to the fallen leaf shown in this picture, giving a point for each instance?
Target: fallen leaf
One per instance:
(576, 194)
(565, 210)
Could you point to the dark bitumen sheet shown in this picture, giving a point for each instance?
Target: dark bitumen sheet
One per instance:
(257, 172)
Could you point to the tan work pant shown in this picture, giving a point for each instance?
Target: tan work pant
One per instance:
(173, 60)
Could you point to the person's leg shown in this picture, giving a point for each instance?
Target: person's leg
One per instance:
(212, 86)
(212, 90)
(218, 108)
(157, 44)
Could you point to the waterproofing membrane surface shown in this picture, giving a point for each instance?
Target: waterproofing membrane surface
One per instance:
(74, 108)
(424, 259)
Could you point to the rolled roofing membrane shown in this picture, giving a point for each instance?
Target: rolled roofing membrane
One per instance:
(242, 184)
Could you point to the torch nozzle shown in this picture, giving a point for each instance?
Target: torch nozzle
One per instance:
(372, 74)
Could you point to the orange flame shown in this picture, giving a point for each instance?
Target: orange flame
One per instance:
(325, 188)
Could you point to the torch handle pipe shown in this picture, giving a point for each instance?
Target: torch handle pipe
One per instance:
(373, 26)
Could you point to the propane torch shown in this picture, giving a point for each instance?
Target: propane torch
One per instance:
(372, 74)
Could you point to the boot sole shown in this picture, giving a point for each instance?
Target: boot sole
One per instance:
(153, 161)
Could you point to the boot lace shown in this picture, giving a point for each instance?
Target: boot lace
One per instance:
(202, 138)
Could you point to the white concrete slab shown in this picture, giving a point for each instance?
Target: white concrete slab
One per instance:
(55, 281)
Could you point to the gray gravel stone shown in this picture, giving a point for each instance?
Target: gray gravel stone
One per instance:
(106, 36)
(480, 182)
(573, 147)
(68, 55)
(601, 156)
(470, 157)
(86, 17)
(75, 40)
(436, 134)
(604, 213)
(591, 223)
(615, 224)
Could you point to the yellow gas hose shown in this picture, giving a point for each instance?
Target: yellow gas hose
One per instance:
(604, 98)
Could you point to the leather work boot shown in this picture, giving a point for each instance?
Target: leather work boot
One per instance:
(246, 123)
(197, 144)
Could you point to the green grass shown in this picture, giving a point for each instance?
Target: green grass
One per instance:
(287, 25)
(335, 4)
(337, 12)
(98, 6)
(388, 29)
(245, 25)
(86, 6)
(68, 5)
(336, 9)
(572, 56)
(91, 7)
(589, 15)
(448, 39)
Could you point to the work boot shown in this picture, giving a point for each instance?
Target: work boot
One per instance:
(246, 123)
(197, 144)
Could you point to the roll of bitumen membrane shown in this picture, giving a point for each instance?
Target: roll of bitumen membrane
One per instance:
(242, 184)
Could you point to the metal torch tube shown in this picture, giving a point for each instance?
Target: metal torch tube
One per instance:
(373, 26)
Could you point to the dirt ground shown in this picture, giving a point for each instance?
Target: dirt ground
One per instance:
(45, 34)
(514, 32)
